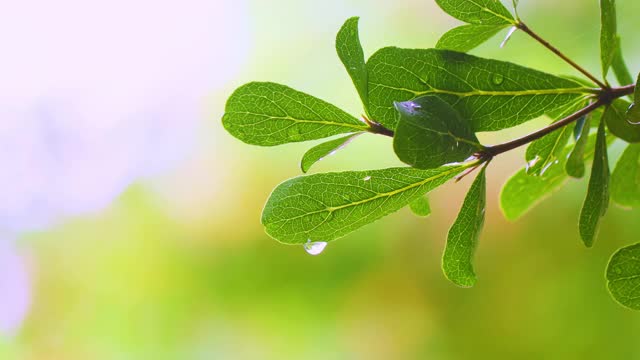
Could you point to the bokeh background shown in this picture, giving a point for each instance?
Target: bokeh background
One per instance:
(129, 220)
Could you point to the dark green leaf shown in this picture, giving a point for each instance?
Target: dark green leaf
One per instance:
(457, 262)
(479, 12)
(467, 37)
(324, 207)
(431, 133)
(544, 152)
(271, 114)
(608, 34)
(619, 66)
(492, 95)
(575, 163)
(321, 151)
(597, 200)
(421, 206)
(352, 56)
(521, 192)
(623, 276)
(616, 116)
(625, 180)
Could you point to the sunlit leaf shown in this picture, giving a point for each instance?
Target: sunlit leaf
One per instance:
(324, 207)
(491, 94)
(350, 52)
(479, 12)
(467, 37)
(457, 261)
(271, 114)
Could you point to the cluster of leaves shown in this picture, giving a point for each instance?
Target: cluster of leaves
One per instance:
(433, 102)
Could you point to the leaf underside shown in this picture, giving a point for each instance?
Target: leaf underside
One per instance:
(623, 276)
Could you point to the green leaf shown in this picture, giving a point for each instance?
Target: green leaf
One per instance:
(625, 180)
(623, 276)
(619, 66)
(271, 114)
(457, 261)
(608, 34)
(597, 200)
(543, 153)
(479, 12)
(615, 115)
(575, 163)
(467, 37)
(521, 192)
(324, 207)
(492, 95)
(321, 151)
(421, 207)
(352, 56)
(431, 133)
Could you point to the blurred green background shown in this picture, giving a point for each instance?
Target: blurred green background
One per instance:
(178, 267)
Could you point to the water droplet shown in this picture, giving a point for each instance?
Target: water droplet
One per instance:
(314, 248)
(546, 167)
(532, 163)
(506, 38)
(497, 79)
(367, 178)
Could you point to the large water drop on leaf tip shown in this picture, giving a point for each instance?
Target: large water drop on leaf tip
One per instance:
(315, 248)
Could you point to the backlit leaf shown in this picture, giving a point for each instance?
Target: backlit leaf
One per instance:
(467, 37)
(623, 276)
(479, 12)
(321, 151)
(608, 34)
(271, 114)
(625, 180)
(421, 207)
(352, 56)
(575, 162)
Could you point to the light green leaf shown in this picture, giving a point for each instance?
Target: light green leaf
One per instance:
(457, 261)
(324, 207)
(575, 163)
(619, 66)
(352, 56)
(479, 12)
(271, 114)
(466, 37)
(492, 95)
(321, 151)
(608, 34)
(431, 133)
(421, 207)
(597, 200)
(544, 152)
(521, 192)
(616, 118)
(625, 180)
(623, 276)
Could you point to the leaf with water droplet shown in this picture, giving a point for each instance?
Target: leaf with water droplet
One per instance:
(467, 37)
(608, 34)
(421, 207)
(269, 114)
(314, 248)
(479, 12)
(548, 148)
(617, 119)
(625, 180)
(522, 192)
(330, 205)
(462, 240)
(430, 133)
(321, 151)
(597, 200)
(352, 56)
(508, 37)
(623, 276)
(575, 162)
(468, 84)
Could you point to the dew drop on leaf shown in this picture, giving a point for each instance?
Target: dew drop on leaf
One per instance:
(367, 178)
(497, 79)
(314, 248)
